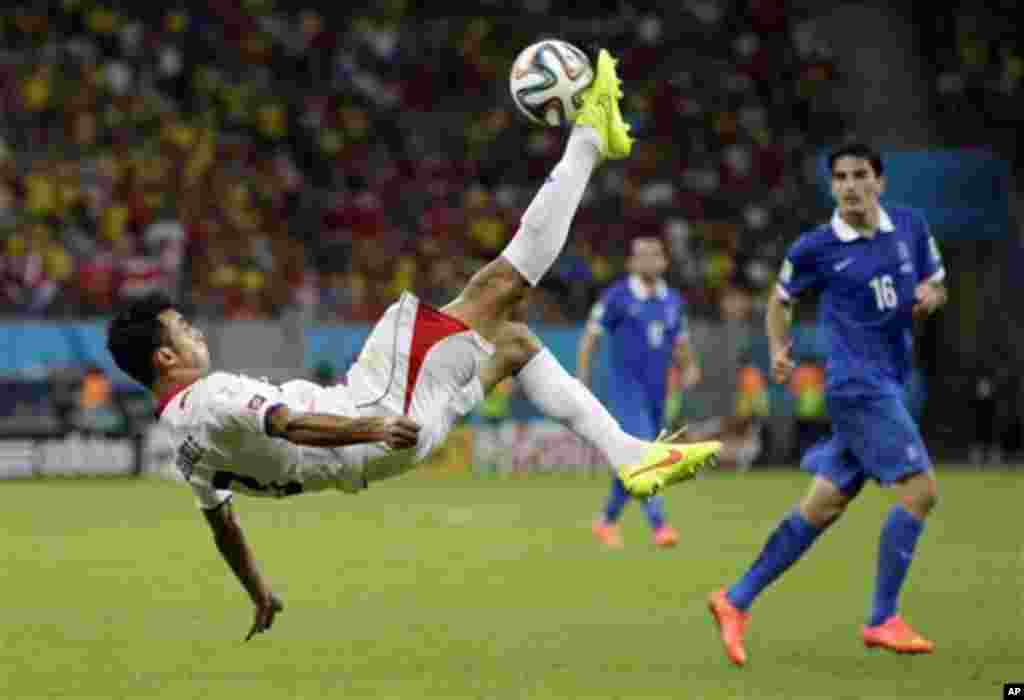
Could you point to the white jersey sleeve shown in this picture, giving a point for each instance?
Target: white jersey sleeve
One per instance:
(243, 404)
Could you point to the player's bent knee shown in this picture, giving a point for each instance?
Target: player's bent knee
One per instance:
(517, 344)
(822, 515)
(921, 504)
(920, 494)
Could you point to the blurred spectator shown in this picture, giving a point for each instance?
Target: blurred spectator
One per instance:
(95, 410)
(807, 386)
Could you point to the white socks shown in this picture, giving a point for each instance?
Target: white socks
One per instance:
(545, 226)
(561, 396)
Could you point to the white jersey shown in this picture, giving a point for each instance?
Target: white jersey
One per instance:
(417, 362)
(220, 425)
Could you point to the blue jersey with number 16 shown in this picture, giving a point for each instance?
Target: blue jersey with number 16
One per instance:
(867, 288)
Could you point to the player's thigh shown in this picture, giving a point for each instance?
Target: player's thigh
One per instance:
(633, 414)
(422, 363)
(882, 435)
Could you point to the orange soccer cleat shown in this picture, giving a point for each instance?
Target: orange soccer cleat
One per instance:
(607, 533)
(896, 635)
(732, 625)
(666, 536)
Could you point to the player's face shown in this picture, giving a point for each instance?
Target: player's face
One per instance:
(856, 186)
(648, 259)
(187, 342)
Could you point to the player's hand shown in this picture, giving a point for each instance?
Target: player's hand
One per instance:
(929, 298)
(782, 365)
(263, 618)
(400, 433)
(691, 377)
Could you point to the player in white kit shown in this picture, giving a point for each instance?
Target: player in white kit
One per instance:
(420, 370)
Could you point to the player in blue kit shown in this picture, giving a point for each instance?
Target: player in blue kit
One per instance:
(876, 270)
(646, 321)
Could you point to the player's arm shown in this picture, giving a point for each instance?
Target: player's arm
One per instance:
(683, 357)
(685, 361)
(603, 316)
(329, 430)
(800, 272)
(590, 341)
(230, 540)
(778, 321)
(930, 294)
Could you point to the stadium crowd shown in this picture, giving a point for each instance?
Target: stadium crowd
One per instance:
(979, 70)
(250, 158)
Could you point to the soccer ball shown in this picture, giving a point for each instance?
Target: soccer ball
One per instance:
(547, 79)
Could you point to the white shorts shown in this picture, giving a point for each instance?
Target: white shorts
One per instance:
(421, 363)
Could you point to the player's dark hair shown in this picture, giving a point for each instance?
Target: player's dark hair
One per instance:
(136, 333)
(857, 150)
(652, 238)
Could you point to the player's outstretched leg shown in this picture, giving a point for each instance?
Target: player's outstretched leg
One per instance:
(599, 133)
(795, 534)
(561, 396)
(902, 528)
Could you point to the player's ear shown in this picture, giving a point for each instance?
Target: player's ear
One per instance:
(881, 184)
(164, 358)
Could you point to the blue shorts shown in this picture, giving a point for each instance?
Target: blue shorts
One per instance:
(872, 438)
(637, 415)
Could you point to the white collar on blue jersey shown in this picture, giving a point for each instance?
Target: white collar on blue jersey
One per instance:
(640, 291)
(848, 234)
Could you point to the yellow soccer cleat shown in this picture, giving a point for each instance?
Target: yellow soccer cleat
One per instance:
(600, 109)
(667, 463)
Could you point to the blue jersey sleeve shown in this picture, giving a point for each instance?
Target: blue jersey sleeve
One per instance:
(606, 313)
(800, 271)
(929, 258)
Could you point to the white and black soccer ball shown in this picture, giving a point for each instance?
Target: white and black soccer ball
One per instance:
(546, 81)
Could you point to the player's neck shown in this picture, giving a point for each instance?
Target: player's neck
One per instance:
(865, 223)
(174, 380)
(649, 283)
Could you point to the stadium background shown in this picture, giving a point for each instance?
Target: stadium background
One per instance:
(285, 172)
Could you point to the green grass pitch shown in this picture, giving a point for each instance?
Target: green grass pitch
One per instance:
(431, 587)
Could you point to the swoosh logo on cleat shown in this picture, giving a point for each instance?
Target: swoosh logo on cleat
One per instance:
(673, 457)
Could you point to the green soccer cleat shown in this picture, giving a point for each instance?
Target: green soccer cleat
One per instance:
(600, 109)
(667, 463)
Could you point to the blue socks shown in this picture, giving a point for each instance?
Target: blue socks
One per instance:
(784, 547)
(655, 509)
(895, 551)
(619, 497)
(617, 501)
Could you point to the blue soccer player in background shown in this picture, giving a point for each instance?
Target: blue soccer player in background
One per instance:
(876, 270)
(646, 321)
